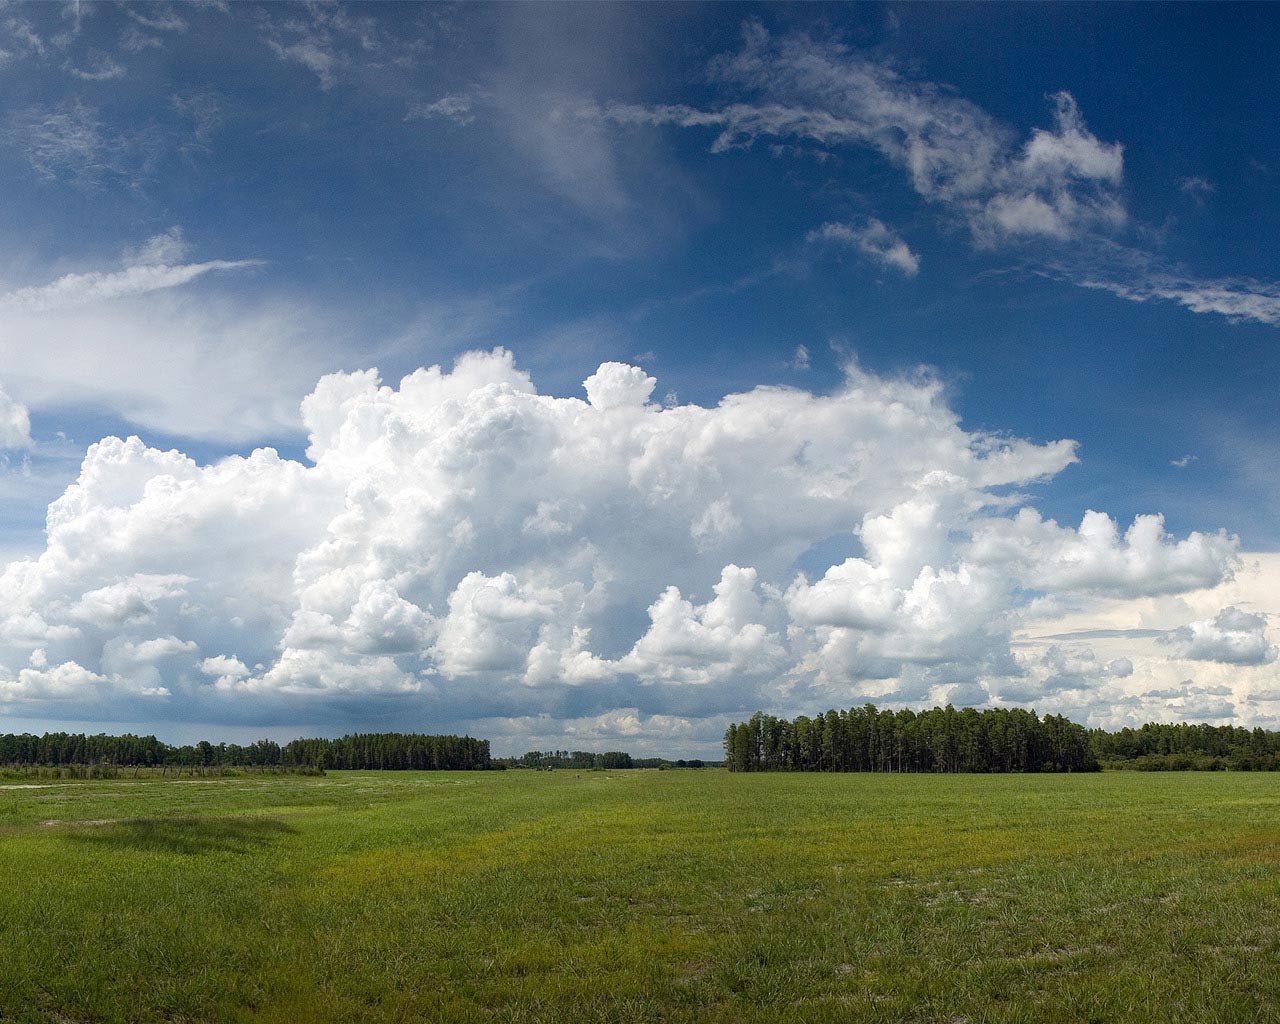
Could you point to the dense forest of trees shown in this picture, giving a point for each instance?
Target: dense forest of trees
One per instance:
(868, 739)
(393, 751)
(1183, 747)
(365, 751)
(64, 748)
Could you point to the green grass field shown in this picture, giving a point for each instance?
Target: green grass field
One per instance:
(643, 896)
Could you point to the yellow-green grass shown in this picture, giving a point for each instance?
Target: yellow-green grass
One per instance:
(643, 896)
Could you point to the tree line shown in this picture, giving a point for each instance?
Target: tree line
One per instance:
(360, 751)
(392, 751)
(1183, 747)
(868, 739)
(579, 759)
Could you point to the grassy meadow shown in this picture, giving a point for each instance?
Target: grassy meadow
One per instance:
(642, 896)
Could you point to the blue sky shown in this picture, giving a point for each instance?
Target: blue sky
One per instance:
(1061, 217)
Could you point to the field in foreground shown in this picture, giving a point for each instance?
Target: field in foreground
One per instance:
(643, 896)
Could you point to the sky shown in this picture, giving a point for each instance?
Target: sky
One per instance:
(591, 376)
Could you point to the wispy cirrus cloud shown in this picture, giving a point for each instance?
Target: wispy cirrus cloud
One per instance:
(143, 342)
(153, 266)
(1240, 300)
(1060, 185)
(96, 286)
(99, 68)
(325, 39)
(203, 112)
(159, 17)
(874, 239)
(69, 141)
(22, 37)
(1059, 182)
(1137, 275)
(135, 40)
(1197, 187)
(453, 107)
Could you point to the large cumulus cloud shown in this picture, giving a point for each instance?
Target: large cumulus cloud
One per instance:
(461, 548)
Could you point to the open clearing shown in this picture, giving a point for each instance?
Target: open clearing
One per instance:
(643, 896)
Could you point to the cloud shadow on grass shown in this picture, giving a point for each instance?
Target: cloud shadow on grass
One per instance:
(186, 836)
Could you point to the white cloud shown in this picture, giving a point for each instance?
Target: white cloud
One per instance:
(129, 601)
(209, 368)
(72, 685)
(326, 39)
(15, 423)
(149, 21)
(312, 55)
(703, 643)
(493, 624)
(203, 110)
(486, 553)
(139, 340)
(168, 248)
(224, 665)
(1061, 184)
(159, 17)
(83, 289)
(67, 681)
(456, 108)
(1096, 559)
(101, 69)
(142, 662)
(618, 386)
(1062, 671)
(875, 240)
(69, 141)
(1197, 187)
(23, 37)
(1121, 668)
(1233, 637)
(69, 136)
(1240, 300)
(1201, 654)
(134, 40)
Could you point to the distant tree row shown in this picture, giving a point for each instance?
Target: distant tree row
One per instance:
(364, 751)
(1183, 747)
(681, 762)
(867, 739)
(65, 748)
(585, 759)
(393, 751)
(580, 759)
